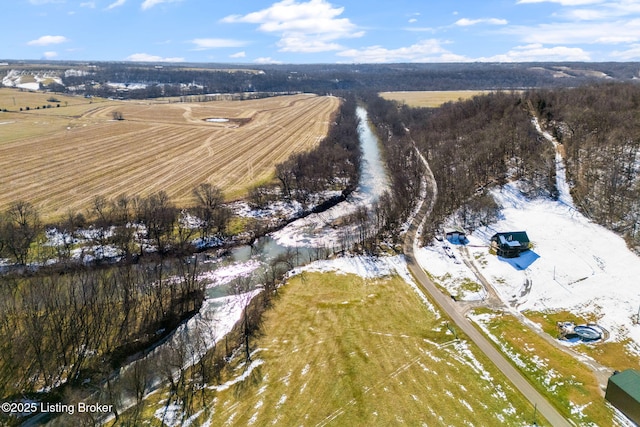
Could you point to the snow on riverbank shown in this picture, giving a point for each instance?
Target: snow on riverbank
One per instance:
(318, 229)
(227, 273)
(574, 264)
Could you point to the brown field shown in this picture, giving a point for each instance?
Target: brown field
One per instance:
(431, 99)
(60, 158)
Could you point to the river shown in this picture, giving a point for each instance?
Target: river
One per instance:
(306, 239)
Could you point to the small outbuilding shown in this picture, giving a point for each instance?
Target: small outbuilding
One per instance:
(455, 235)
(623, 392)
(510, 244)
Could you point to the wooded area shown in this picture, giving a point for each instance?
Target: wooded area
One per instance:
(599, 130)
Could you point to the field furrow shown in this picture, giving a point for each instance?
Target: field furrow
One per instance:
(168, 147)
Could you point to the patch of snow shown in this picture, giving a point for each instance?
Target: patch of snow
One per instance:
(574, 264)
(318, 229)
(170, 415)
(254, 364)
(305, 370)
(226, 274)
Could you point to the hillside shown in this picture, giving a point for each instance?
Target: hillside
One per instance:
(148, 80)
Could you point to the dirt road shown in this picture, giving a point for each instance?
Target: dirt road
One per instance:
(544, 408)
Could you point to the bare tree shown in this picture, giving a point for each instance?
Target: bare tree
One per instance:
(21, 227)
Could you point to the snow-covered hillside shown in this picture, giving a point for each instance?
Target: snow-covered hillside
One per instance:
(574, 264)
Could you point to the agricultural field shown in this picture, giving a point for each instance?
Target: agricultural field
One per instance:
(364, 351)
(60, 158)
(431, 99)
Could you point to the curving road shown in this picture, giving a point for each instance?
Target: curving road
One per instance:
(544, 408)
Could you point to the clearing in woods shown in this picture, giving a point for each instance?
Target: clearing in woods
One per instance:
(59, 158)
(431, 99)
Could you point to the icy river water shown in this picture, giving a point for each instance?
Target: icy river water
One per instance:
(308, 238)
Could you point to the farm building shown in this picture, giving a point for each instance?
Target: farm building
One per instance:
(456, 235)
(623, 392)
(510, 244)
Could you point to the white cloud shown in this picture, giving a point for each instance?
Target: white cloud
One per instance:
(412, 20)
(266, 60)
(50, 54)
(148, 4)
(632, 53)
(89, 4)
(424, 51)
(464, 22)
(422, 29)
(116, 3)
(204, 44)
(538, 52)
(238, 55)
(311, 26)
(303, 43)
(145, 57)
(607, 11)
(612, 32)
(47, 40)
(563, 2)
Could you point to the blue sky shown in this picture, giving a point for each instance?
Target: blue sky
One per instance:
(322, 31)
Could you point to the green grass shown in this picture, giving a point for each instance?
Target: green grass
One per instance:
(346, 351)
(556, 374)
(615, 355)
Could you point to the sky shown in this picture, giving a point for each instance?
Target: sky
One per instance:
(321, 31)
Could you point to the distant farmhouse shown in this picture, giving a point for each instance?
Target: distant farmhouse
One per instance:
(510, 244)
(623, 392)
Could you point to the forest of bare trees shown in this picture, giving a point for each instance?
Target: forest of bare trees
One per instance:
(469, 146)
(599, 131)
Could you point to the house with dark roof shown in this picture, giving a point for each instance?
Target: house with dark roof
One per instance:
(510, 244)
(623, 392)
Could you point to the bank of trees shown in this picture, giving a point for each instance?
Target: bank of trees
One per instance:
(333, 165)
(473, 144)
(404, 167)
(599, 131)
(469, 146)
(126, 228)
(77, 321)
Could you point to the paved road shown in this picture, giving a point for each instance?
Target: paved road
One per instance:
(446, 304)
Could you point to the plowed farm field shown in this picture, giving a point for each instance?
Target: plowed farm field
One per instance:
(60, 158)
(431, 99)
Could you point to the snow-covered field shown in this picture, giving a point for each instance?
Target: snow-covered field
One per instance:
(574, 264)
(29, 81)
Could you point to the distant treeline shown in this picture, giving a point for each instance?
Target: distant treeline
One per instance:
(198, 79)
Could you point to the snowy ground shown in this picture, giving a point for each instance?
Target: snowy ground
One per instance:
(574, 265)
(319, 230)
(227, 273)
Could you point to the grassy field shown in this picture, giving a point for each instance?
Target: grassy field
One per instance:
(431, 99)
(59, 158)
(556, 374)
(346, 351)
(615, 355)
